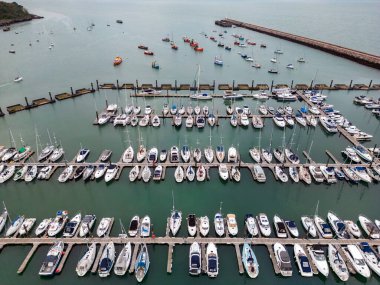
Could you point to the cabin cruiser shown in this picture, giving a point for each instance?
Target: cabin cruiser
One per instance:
(361, 172)
(51, 261)
(174, 154)
(107, 260)
(232, 155)
(121, 119)
(264, 225)
(204, 226)
(281, 174)
(249, 261)
(350, 153)
(88, 172)
(189, 122)
(338, 226)
(123, 260)
(263, 110)
(86, 225)
(59, 222)
(134, 226)
(26, 226)
(351, 175)
(255, 154)
(142, 263)
(100, 171)
(45, 153)
(153, 155)
(279, 226)
(318, 257)
(260, 96)
(44, 172)
(85, 263)
(283, 260)
(79, 172)
(223, 171)
(200, 121)
(197, 154)
(43, 226)
(191, 225)
(105, 155)
(357, 260)
(212, 260)
(244, 121)
(232, 225)
(157, 173)
(363, 153)
(233, 120)
(329, 174)
(104, 227)
(337, 263)
(9, 153)
(257, 122)
(175, 221)
(195, 259)
(7, 173)
(302, 261)
(82, 154)
(370, 257)
(329, 125)
(369, 227)
(292, 228)
(219, 224)
(251, 225)
(279, 121)
(145, 227)
(177, 120)
(103, 118)
(323, 228)
(316, 173)
(72, 226)
(230, 95)
(353, 228)
(309, 226)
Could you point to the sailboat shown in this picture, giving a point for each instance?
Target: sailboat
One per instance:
(250, 263)
(175, 219)
(219, 222)
(200, 95)
(273, 70)
(209, 152)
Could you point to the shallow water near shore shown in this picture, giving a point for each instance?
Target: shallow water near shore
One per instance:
(80, 57)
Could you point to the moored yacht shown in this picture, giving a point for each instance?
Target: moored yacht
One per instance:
(204, 226)
(302, 261)
(123, 260)
(51, 261)
(283, 260)
(337, 263)
(191, 225)
(142, 263)
(370, 257)
(212, 260)
(309, 226)
(369, 227)
(249, 260)
(85, 263)
(107, 260)
(232, 225)
(264, 225)
(195, 259)
(175, 221)
(86, 225)
(104, 227)
(279, 226)
(357, 260)
(337, 225)
(219, 224)
(43, 226)
(134, 226)
(318, 257)
(145, 227)
(323, 228)
(72, 226)
(57, 225)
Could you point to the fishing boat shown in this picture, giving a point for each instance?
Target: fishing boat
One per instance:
(107, 260)
(357, 260)
(191, 225)
(281, 174)
(123, 260)
(292, 228)
(134, 226)
(353, 228)
(51, 261)
(280, 227)
(86, 225)
(283, 260)
(264, 225)
(323, 228)
(104, 227)
(337, 263)
(145, 227)
(72, 226)
(309, 226)
(370, 257)
(195, 259)
(212, 260)
(337, 225)
(118, 60)
(249, 260)
(302, 261)
(26, 226)
(59, 222)
(85, 263)
(369, 227)
(219, 224)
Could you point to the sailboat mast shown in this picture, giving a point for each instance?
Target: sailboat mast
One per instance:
(49, 137)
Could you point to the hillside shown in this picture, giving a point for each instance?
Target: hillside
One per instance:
(11, 13)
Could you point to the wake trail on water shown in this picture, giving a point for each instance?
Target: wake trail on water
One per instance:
(5, 84)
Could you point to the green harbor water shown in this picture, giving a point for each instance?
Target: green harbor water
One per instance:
(80, 57)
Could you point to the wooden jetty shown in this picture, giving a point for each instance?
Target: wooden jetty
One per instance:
(97, 259)
(239, 260)
(27, 258)
(169, 266)
(351, 54)
(64, 258)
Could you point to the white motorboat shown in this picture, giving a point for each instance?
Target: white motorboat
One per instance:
(200, 121)
(9, 153)
(104, 227)
(189, 122)
(191, 225)
(85, 263)
(20, 173)
(279, 121)
(134, 226)
(149, 91)
(175, 221)
(249, 260)
(323, 228)
(317, 174)
(157, 173)
(292, 228)
(103, 118)
(351, 175)
(107, 260)
(44, 172)
(31, 173)
(302, 261)
(263, 110)
(57, 225)
(204, 226)
(52, 259)
(121, 119)
(100, 171)
(82, 155)
(280, 227)
(163, 155)
(257, 122)
(141, 153)
(155, 121)
(174, 154)
(26, 226)
(43, 226)
(289, 121)
(369, 227)
(329, 125)
(111, 172)
(195, 259)
(361, 172)
(86, 225)
(329, 174)
(219, 224)
(255, 154)
(337, 263)
(179, 174)
(353, 228)
(201, 96)
(153, 155)
(281, 174)
(146, 174)
(309, 226)
(223, 171)
(134, 173)
(232, 225)
(370, 257)
(232, 155)
(123, 260)
(337, 225)
(72, 226)
(7, 173)
(190, 173)
(145, 227)
(88, 172)
(318, 257)
(291, 156)
(357, 260)
(177, 120)
(212, 260)
(264, 225)
(251, 226)
(260, 96)
(283, 260)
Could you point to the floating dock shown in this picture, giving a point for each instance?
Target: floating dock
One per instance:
(351, 54)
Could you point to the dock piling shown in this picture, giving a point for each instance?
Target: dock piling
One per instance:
(370, 84)
(349, 87)
(117, 84)
(26, 100)
(311, 84)
(331, 83)
(97, 84)
(72, 91)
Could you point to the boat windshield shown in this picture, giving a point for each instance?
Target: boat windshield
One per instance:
(291, 224)
(212, 264)
(195, 261)
(305, 264)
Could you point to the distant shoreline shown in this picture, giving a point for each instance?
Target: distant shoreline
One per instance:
(9, 22)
